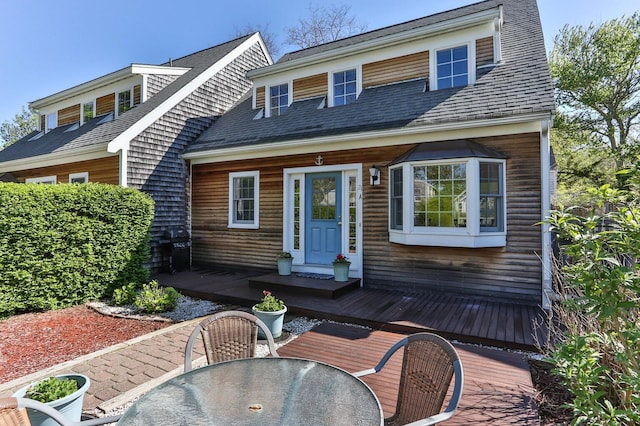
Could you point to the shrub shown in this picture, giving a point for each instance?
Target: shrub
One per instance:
(51, 389)
(595, 338)
(153, 298)
(125, 295)
(62, 245)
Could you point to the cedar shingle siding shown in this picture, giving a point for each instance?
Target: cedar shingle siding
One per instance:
(155, 156)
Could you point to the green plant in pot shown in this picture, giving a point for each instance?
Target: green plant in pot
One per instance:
(271, 311)
(341, 268)
(65, 393)
(285, 260)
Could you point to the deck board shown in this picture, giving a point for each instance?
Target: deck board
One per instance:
(453, 316)
(497, 388)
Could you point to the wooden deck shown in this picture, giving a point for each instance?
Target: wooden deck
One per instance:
(455, 317)
(497, 387)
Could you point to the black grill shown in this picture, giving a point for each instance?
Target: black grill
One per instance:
(178, 242)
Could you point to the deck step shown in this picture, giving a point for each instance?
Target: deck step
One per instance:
(327, 288)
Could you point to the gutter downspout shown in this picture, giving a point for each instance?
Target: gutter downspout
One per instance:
(545, 168)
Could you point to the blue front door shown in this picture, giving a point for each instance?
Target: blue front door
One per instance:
(323, 205)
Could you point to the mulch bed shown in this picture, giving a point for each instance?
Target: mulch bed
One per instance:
(32, 342)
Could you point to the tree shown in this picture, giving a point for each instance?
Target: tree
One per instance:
(22, 124)
(267, 36)
(596, 74)
(324, 25)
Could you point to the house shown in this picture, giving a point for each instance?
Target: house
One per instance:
(130, 127)
(420, 151)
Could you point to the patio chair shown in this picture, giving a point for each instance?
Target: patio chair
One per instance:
(13, 413)
(226, 336)
(428, 365)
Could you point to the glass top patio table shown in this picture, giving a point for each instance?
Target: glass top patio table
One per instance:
(259, 391)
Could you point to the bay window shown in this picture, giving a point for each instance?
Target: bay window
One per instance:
(457, 201)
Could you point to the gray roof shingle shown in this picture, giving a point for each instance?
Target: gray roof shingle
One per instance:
(57, 140)
(519, 85)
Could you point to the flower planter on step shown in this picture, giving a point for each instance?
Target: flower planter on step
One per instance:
(341, 271)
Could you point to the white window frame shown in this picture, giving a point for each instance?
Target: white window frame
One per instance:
(117, 108)
(93, 110)
(255, 224)
(77, 176)
(469, 236)
(43, 179)
(51, 117)
(331, 73)
(471, 64)
(267, 98)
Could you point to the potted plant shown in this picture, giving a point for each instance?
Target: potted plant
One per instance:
(341, 268)
(271, 311)
(284, 263)
(65, 393)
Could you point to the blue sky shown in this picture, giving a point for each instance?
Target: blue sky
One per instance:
(48, 46)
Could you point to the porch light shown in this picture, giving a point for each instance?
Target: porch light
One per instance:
(374, 172)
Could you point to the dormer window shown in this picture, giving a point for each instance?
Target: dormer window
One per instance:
(279, 99)
(52, 121)
(452, 67)
(345, 87)
(87, 111)
(124, 101)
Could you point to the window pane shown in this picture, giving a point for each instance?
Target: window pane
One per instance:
(444, 56)
(444, 70)
(344, 87)
(396, 198)
(324, 199)
(440, 195)
(452, 67)
(243, 199)
(460, 53)
(279, 99)
(491, 197)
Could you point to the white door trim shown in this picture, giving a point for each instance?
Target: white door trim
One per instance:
(290, 175)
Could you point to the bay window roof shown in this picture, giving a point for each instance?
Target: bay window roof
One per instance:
(460, 148)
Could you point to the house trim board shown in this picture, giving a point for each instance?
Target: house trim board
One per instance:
(546, 255)
(106, 80)
(93, 152)
(470, 129)
(299, 263)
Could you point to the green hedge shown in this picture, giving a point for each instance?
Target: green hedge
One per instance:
(62, 245)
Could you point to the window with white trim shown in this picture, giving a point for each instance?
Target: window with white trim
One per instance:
(452, 67)
(244, 203)
(345, 87)
(124, 101)
(88, 111)
(450, 202)
(79, 177)
(279, 99)
(52, 121)
(51, 180)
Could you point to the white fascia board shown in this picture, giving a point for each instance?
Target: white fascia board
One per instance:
(93, 152)
(454, 24)
(157, 69)
(530, 123)
(122, 141)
